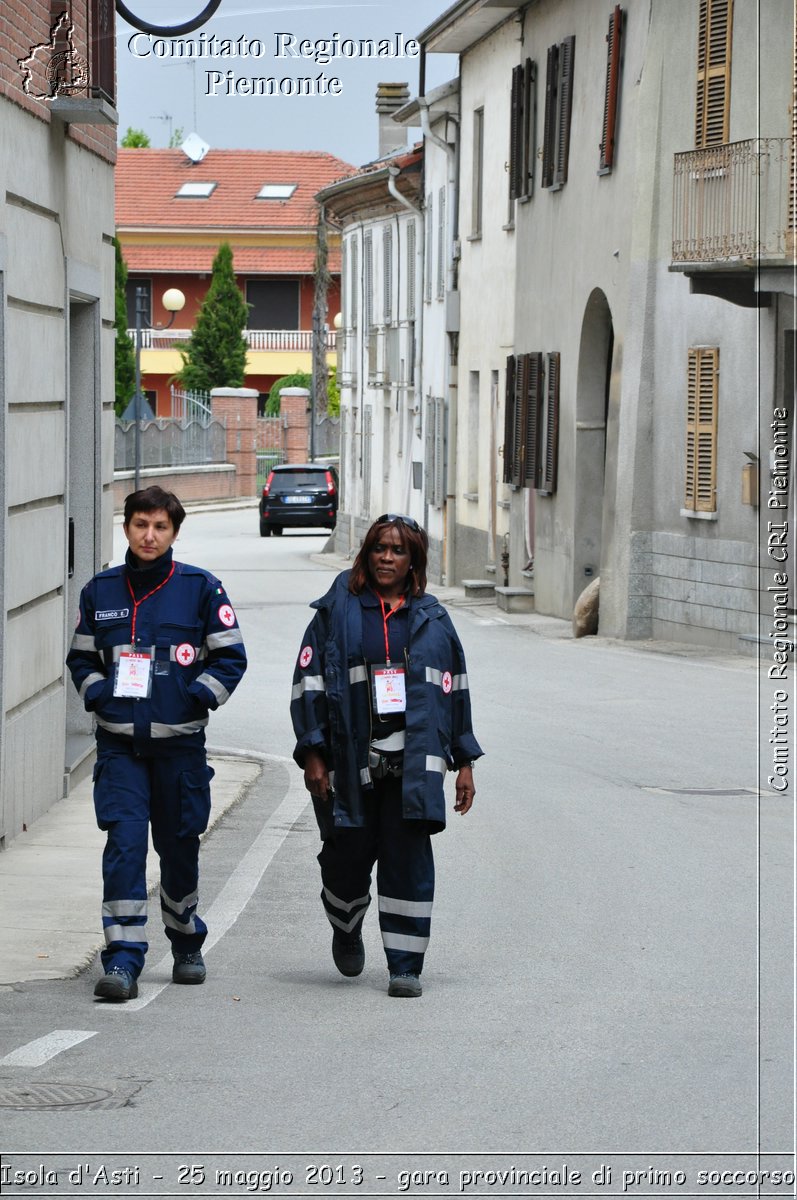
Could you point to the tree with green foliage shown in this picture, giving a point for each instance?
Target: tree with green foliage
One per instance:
(135, 139)
(215, 354)
(304, 379)
(125, 352)
(300, 379)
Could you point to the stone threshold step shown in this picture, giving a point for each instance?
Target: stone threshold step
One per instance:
(515, 599)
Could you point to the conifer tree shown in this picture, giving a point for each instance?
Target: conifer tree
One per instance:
(125, 354)
(216, 351)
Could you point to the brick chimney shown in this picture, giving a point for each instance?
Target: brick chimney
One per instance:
(390, 97)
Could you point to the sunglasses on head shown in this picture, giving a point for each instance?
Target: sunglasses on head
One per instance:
(389, 518)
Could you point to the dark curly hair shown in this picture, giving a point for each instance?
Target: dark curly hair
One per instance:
(416, 542)
(150, 500)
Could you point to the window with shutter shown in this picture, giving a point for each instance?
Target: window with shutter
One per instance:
(564, 109)
(102, 15)
(411, 270)
(509, 416)
(715, 22)
(428, 249)
(550, 428)
(387, 274)
(702, 401)
(354, 289)
(368, 288)
(613, 41)
(440, 452)
(522, 137)
(441, 244)
(478, 173)
(532, 421)
(549, 118)
(365, 461)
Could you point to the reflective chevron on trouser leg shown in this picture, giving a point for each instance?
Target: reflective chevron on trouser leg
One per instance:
(345, 916)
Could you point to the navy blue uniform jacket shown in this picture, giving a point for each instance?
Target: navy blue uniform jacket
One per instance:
(331, 705)
(188, 627)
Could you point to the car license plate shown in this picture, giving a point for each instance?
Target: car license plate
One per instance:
(296, 499)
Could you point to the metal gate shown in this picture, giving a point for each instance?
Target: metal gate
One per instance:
(271, 445)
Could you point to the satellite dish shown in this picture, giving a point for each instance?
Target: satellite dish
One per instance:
(194, 148)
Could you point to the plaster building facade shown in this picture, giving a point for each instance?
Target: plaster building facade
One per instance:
(632, 229)
(173, 213)
(56, 379)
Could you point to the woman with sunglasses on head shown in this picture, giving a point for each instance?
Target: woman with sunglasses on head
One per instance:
(381, 711)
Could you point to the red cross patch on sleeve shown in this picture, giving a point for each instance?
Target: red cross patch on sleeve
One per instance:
(306, 656)
(226, 615)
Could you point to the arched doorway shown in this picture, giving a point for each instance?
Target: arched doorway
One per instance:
(592, 411)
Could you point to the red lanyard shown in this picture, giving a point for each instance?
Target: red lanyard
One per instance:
(136, 603)
(385, 616)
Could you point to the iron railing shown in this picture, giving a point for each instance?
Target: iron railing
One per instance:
(170, 443)
(256, 339)
(732, 202)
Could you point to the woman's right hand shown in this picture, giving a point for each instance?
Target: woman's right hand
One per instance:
(316, 775)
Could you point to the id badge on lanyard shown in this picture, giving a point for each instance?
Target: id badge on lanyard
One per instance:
(133, 675)
(388, 689)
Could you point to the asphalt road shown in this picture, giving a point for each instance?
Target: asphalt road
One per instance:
(609, 974)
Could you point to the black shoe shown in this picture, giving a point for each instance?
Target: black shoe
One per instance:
(188, 968)
(404, 985)
(116, 984)
(349, 955)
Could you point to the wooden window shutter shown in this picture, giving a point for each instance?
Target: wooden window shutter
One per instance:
(514, 447)
(387, 274)
(702, 396)
(509, 416)
(516, 128)
(613, 39)
(102, 32)
(550, 453)
(532, 421)
(564, 107)
(715, 22)
(549, 119)
(428, 248)
(354, 290)
(441, 244)
(411, 270)
(368, 266)
(530, 126)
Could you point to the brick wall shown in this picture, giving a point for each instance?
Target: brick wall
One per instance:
(187, 483)
(25, 24)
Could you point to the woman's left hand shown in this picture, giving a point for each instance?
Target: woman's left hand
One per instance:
(464, 789)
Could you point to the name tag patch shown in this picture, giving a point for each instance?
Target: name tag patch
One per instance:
(112, 614)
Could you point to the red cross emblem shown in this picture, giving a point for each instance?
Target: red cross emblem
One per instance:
(185, 654)
(306, 656)
(446, 682)
(226, 615)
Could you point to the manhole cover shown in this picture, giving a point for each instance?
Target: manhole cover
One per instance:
(50, 1095)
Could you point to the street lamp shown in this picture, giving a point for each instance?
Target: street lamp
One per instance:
(173, 301)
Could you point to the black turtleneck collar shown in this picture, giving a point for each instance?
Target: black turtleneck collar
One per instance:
(144, 578)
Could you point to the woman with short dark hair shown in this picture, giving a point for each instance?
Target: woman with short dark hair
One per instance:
(381, 711)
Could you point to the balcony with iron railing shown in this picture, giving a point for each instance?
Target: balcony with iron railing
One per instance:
(278, 340)
(734, 206)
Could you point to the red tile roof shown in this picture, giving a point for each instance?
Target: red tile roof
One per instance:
(147, 182)
(247, 260)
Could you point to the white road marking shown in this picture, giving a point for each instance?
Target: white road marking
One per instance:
(35, 1054)
(236, 893)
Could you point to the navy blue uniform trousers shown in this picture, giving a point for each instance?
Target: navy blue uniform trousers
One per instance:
(171, 792)
(402, 851)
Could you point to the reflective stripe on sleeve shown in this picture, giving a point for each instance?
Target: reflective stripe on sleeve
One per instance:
(434, 676)
(308, 683)
(84, 641)
(227, 637)
(94, 677)
(459, 683)
(213, 685)
(436, 764)
(358, 674)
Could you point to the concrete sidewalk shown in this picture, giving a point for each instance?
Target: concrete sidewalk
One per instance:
(51, 925)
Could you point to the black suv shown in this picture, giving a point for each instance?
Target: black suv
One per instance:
(298, 494)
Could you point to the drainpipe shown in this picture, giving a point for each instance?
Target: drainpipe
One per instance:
(393, 173)
(452, 370)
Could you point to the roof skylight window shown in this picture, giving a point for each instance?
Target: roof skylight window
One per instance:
(195, 191)
(276, 191)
